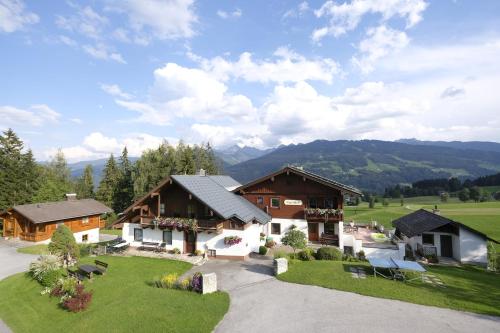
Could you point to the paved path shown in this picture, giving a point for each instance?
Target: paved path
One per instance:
(12, 262)
(260, 303)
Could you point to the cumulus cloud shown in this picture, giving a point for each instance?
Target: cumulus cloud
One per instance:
(379, 42)
(14, 17)
(35, 115)
(346, 16)
(286, 66)
(227, 15)
(97, 145)
(85, 21)
(171, 19)
(297, 11)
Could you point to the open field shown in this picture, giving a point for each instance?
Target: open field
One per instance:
(123, 301)
(483, 216)
(116, 232)
(467, 288)
(34, 249)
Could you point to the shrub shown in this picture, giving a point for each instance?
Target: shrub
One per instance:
(44, 264)
(270, 243)
(350, 258)
(198, 253)
(184, 284)
(85, 250)
(79, 301)
(50, 278)
(176, 251)
(63, 243)
(328, 253)
(361, 255)
(197, 282)
(306, 255)
(262, 250)
(280, 254)
(295, 238)
(167, 281)
(65, 287)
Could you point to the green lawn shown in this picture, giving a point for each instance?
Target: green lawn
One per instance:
(116, 232)
(467, 288)
(482, 216)
(34, 249)
(123, 301)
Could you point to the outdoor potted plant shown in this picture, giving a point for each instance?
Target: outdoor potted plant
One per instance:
(232, 240)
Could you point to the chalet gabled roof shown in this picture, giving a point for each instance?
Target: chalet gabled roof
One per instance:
(213, 191)
(61, 210)
(225, 203)
(421, 221)
(307, 174)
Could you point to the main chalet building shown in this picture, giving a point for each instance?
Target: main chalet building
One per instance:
(219, 216)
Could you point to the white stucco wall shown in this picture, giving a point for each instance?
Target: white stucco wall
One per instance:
(152, 235)
(349, 240)
(93, 235)
(204, 241)
(301, 225)
(472, 247)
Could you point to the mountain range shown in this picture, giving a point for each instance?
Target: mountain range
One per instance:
(367, 164)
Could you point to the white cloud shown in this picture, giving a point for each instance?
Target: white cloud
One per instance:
(346, 16)
(171, 19)
(85, 21)
(287, 66)
(115, 91)
(68, 41)
(101, 51)
(13, 16)
(379, 42)
(226, 15)
(76, 120)
(298, 11)
(96, 145)
(35, 115)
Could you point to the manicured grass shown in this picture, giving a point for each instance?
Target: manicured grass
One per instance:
(467, 288)
(482, 216)
(116, 232)
(34, 249)
(123, 301)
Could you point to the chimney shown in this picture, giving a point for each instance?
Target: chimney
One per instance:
(202, 172)
(70, 196)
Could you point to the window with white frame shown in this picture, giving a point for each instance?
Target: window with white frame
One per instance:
(275, 202)
(85, 220)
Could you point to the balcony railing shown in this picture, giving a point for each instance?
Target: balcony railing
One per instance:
(182, 224)
(323, 214)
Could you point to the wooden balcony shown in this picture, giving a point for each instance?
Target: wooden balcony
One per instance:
(321, 215)
(210, 226)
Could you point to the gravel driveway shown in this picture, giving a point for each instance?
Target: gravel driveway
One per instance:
(260, 303)
(11, 261)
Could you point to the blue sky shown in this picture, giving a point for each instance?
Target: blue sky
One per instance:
(92, 76)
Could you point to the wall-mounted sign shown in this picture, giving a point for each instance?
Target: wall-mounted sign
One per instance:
(293, 202)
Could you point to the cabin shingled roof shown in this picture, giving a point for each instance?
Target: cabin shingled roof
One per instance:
(421, 221)
(61, 210)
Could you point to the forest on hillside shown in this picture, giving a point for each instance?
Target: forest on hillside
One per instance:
(23, 180)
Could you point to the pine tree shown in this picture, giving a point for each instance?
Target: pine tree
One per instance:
(85, 184)
(30, 177)
(185, 160)
(109, 182)
(11, 178)
(55, 180)
(124, 193)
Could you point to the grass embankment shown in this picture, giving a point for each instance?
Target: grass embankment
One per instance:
(115, 232)
(123, 301)
(34, 249)
(482, 216)
(466, 288)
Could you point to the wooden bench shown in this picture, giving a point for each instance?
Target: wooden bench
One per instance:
(329, 239)
(102, 267)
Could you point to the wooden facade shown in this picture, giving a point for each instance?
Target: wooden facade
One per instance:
(287, 195)
(17, 226)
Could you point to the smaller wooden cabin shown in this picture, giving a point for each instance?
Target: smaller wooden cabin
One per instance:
(37, 222)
